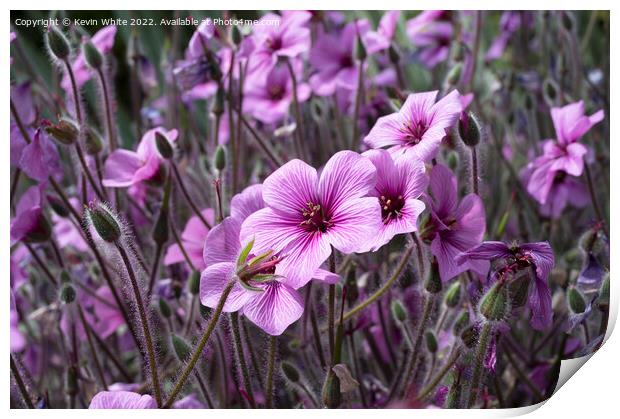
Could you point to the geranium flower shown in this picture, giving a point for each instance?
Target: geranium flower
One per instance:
(379, 40)
(416, 130)
(431, 31)
(193, 239)
(125, 168)
(29, 223)
(40, 159)
(453, 226)
(399, 185)
(538, 256)
(307, 214)
(122, 400)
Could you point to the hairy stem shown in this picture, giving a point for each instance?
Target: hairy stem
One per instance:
(273, 348)
(240, 355)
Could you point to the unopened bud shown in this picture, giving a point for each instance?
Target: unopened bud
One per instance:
(470, 336)
(163, 146)
(461, 322)
(290, 372)
(67, 293)
(398, 311)
(65, 278)
(431, 342)
(181, 348)
(433, 283)
(454, 75)
(92, 141)
(58, 43)
(360, 50)
(65, 131)
(495, 304)
(576, 301)
(218, 103)
(105, 224)
(219, 160)
(194, 283)
(469, 129)
(453, 295)
(92, 55)
(330, 394)
(453, 160)
(164, 308)
(160, 233)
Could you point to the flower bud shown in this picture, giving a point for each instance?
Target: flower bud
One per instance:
(160, 229)
(398, 311)
(181, 348)
(65, 131)
(470, 336)
(104, 222)
(433, 283)
(360, 50)
(218, 103)
(454, 75)
(65, 278)
(576, 301)
(194, 283)
(92, 55)
(58, 43)
(461, 322)
(163, 146)
(290, 372)
(330, 394)
(219, 159)
(67, 293)
(236, 35)
(431, 342)
(469, 129)
(58, 206)
(495, 304)
(164, 308)
(453, 295)
(93, 143)
(453, 160)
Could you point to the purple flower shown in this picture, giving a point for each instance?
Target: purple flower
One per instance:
(29, 222)
(268, 99)
(104, 41)
(379, 40)
(416, 131)
(122, 400)
(431, 31)
(509, 23)
(125, 168)
(66, 232)
(22, 99)
(332, 58)
(538, 256)
(454, 226)
(193, 239)
(306, 214)
(40, 159)
(398, 189)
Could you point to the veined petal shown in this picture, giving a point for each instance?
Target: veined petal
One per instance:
(222, 242)
(122, 400)
(291, 187)
(214, 280)
(120, 167)
(355, 225)
(274, 309)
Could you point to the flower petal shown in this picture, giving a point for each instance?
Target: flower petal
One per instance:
(274, 309)
(213, 282)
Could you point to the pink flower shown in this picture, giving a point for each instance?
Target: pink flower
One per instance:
(193, 239)
(124, 168)
(104, 41)
(380, 40)
(29, 222)
(455, 226)
(66, 232)
(416, 131)
(307, 214)
(399, 185)
(40, 159)
(122, 400)
(431, 31)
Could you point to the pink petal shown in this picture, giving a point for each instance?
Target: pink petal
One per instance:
(356, 223)
(291, 187)
(214, 280)
(274, 309)
(122, 400)
(120, 167)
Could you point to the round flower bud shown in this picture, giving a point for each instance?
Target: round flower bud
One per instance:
(181, 348)
(431, 342)
(163, 146)
(164, 308)
(67, 293)
(576, 301)
(194, 283)
(92, 141)
(495, 304)
(453, 160)
(469, 129)
(65, 278)
(218, 103)
(219, 159)
(65, 131)
(433, 283)
(92, 55)
(398, 311)
(58, 43)
(290, 372)
(453, 295)
(105, 224)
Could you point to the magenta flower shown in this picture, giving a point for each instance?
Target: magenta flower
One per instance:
(66, 232)
(454, 226)
(431, 31)
(125, 168)
(509, 23)
(379, 40)
(22, 99)
(398, 189)
(29, 223)
(268, 99)
(193, 239)
(40, 159)
(415, 132)
(104, 41)
(566, 154)
(275, 36)
(538, 256)
(563, 190)
(122, 400)
(332, 58)
(307, 214)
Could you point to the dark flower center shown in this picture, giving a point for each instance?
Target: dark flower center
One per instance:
(315, 218)
(346, 61)
(414, 131)
(559, 177)
(276, 92)
(274, 44)
(391, 208)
